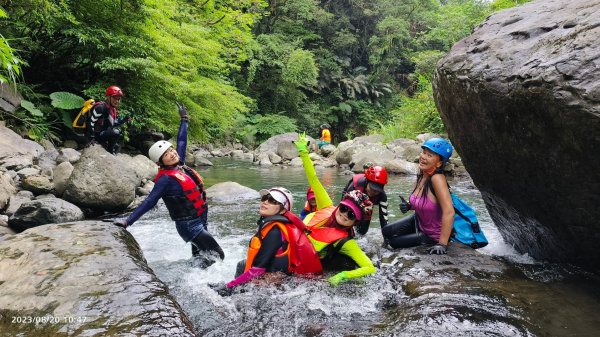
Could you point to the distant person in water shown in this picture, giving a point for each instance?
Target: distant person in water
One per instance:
(431, 201)
(182, 190)
(310, 205)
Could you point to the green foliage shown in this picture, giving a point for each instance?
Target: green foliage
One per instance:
(156, 51)
(246, 69)
(498, 5)
(261, 128)
(31, 108)
(300, 69)
(413, 115)
(66, 100)
(10, 64)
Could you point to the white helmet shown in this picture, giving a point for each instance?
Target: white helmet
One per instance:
(282, 195)
(158, 149)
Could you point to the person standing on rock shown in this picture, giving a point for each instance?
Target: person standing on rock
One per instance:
(431, 200)
(103, 122)
(182, 190)
(372, 182)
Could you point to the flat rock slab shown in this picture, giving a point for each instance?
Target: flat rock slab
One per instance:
(85, 278)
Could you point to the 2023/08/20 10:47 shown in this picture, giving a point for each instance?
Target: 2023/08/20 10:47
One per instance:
(48, 319)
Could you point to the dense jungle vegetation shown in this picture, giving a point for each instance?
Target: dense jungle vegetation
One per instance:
(246, 69)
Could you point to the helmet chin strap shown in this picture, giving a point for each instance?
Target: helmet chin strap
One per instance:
(431, 172)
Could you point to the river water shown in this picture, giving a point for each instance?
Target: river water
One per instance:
(535, 299)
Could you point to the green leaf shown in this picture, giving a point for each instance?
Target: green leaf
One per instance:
(31, 108)
(66, 100)
(345, 107)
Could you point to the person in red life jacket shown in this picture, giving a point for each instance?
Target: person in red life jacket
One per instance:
(372, 182)
(431, 200)
(103, 121)
(331, 227)
(182, 191)
(279, 244)
(310, 205)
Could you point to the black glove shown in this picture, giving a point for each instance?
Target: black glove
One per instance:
(405, 206)
(182, 110)
(221, 289)
(120, 222)
(438, 249)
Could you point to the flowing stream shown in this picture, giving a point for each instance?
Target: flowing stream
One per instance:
(536, 299)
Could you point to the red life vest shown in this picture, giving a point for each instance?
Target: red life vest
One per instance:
(359, 181)
(191, 204)
(301, 254)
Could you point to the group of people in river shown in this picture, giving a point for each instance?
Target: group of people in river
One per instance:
(323, 238)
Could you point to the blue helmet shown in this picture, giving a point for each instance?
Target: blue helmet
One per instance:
(439, 146)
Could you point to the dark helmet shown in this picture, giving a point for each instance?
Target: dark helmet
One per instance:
(113, 90)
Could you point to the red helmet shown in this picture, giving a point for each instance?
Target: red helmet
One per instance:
(377, 174)
(310, 194)
(113, 90)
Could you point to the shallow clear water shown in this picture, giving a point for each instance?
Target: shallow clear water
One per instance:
(293, 306)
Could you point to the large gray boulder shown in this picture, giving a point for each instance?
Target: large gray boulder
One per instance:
(43, 211)
(90, 276)
(520, 99)
(230, 192)
(281, 145)
(101, 181)
(15, 152)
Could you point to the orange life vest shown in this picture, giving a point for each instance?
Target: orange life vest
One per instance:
(301, 254)
(319, 232)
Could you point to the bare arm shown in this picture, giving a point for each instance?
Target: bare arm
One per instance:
(442, 193)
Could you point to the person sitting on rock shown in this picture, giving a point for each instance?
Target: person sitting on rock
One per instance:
(324, 135)
(331, 227)
(372, 182)
(103, 121)
(182, 190)
(431, 200)
(310, 205)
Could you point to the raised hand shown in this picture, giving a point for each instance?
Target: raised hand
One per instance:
(182, 110)
(302, 143)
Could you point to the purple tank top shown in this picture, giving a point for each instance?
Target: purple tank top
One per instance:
(429, 214)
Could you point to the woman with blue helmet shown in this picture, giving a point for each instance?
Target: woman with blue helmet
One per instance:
(431, 201)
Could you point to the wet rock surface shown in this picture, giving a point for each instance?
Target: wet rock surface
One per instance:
(520, 100)
(83, 279)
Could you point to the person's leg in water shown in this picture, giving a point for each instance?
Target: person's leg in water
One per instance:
(403, 233)
(206, 250)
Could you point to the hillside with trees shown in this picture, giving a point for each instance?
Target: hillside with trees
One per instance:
(246, 69)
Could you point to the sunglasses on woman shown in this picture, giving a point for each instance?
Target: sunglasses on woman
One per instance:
(348, 211)
(268, 198)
